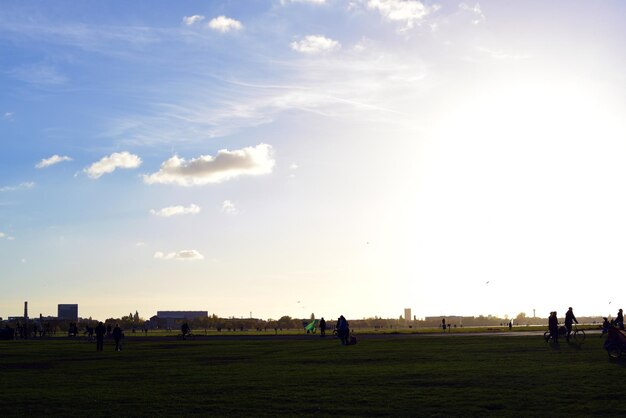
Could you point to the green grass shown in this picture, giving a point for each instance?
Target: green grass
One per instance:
(392, 376)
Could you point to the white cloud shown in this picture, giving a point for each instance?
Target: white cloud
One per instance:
(176, 210)
(313, 44)
(190, 20)
(229, 208)
(55, 159)
(184, 255)
(11, 238)
(294, 166)
(224, 24)
(408, 11)
(7, 116)
(26, 185)
(112, 162)
(207, 169)
(1, 234)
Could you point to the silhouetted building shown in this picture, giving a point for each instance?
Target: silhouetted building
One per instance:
(68, 311)
(172, 319)
(407, 314)
(182, 314)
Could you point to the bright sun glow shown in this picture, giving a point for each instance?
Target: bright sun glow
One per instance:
(520, 186)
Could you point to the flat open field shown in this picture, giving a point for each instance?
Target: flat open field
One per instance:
(421, 375)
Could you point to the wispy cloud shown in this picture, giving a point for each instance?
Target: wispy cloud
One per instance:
(41, 74)
(110, 163)
(322, 88)
(8, 116)
(370, 82)
(229, 208)
(283, 2)
(184, 255)
(191, 20)
(21, 186)
(409, 12)
(206, 169)
(313, 44)
(55, 159)
(224, 24)
(176, 210)
(477, 14)
(112, 40)
(501, 55)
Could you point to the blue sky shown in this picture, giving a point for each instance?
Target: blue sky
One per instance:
(289, 157)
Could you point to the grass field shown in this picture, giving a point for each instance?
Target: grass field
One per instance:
(380, 376)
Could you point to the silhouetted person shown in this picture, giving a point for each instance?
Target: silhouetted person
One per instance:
(117, 337)
(322, 327)
(100, 331)
(569, 320)
(185, 330)
(510, 325)
(90, 333)
(443, 324)
(553, 326)
(605, 326)
(343, 330)
(109, 329)
(619, 320)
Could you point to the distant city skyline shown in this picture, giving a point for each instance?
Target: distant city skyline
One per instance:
(70, 311)
(285, 157)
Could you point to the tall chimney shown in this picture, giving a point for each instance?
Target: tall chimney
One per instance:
(26, 310)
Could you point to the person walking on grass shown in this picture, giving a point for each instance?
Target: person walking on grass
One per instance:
(619, 320)
(322, 327)
(343, 330)
(569, 320)
(605, 326)
(100, 331)
(184, 329)
(553, 326)
(117, 337)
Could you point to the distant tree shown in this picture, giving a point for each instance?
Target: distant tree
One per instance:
(136, 317)
(521, 317)
(312, 317)
(285, 322)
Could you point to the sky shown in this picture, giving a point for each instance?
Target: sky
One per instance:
(286, 157)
